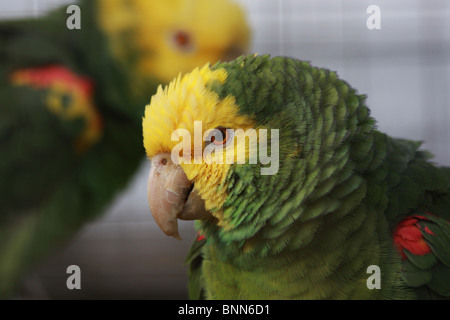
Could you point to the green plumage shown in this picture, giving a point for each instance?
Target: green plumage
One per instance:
(48, 189)
(311, 230)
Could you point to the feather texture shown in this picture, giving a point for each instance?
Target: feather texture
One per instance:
(311, 230)
(71, 105)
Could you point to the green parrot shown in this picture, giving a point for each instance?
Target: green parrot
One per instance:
(72, 96)
(295, 193)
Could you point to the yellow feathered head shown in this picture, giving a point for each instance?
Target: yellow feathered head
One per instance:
(173, 36)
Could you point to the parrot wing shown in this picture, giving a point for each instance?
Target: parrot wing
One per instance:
(48, 121)
(48, 118)
(424, 241)
(423, 237)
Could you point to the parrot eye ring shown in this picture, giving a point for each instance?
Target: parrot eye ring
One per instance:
(220, 136)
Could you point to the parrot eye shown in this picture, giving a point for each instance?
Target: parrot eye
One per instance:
(182, 41)
(220, 136)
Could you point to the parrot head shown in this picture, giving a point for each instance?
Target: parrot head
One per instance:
(162, 38)
(245, 146)
(183, 185)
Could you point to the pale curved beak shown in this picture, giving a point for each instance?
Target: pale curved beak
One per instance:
(172, 196)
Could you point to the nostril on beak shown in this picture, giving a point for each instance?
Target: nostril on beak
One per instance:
(162, 162)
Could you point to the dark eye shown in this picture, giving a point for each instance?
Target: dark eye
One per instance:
(220, 137)
(182, 40)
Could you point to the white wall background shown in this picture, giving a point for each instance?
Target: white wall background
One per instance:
(404, 68)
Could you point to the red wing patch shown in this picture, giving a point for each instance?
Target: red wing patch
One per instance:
(408, 235)
(63, 83)
(200, 237)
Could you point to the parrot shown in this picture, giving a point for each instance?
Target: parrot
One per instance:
(71, 105)
(294, 191)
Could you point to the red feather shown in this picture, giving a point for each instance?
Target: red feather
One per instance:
(42, 77)
(408, 236)
(200, 237)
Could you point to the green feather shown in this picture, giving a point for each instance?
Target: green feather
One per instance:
(48, 189)
(311, 230)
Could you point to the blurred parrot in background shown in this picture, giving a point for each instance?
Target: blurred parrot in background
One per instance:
(331, 209)
(71, 106)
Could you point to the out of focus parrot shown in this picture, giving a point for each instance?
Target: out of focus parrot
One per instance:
(296, 194)
(72, 99)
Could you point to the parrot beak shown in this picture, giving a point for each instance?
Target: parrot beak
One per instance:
(171, 195)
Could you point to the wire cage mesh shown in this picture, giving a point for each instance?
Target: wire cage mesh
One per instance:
(403, 67)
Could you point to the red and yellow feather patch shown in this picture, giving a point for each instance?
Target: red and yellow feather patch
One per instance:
(69, 97)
